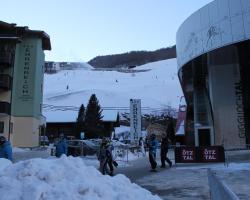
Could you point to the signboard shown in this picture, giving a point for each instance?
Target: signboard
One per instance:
(199, 154)
(26, 74)
(27, 84)
(135, 119)
(185, 155)
(211, 154)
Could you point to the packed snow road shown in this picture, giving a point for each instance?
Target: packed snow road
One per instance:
(169, 183)
(190, 181)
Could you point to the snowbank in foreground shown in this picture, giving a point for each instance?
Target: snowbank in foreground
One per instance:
(64, 178)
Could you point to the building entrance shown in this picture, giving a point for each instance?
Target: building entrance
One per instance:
(204, 137)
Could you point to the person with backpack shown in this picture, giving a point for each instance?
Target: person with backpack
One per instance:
(5, 149)
(152, 152)
(105, 158)
(164, 151)
(61, 146)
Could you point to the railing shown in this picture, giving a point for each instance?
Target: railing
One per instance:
(81, 148)
(218, 188)
(121, 153)
(234, 154)
(5, 82)
(124, 153)
(4, 108)
(237, 147)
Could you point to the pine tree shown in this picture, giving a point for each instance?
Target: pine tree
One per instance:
(93, 119)
(80, 121)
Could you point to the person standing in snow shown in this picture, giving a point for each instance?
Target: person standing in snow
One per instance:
(141, 145)
(164, 151)
(5, 148)
(152, 152)
(146, 144)
(105, 158)
(61, 146)
(110, 148)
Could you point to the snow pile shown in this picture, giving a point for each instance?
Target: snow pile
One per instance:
(64, 178)
(4, 163)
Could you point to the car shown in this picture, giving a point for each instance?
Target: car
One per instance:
(82, 148)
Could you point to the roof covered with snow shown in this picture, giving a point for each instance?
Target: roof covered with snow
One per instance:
(71, 115)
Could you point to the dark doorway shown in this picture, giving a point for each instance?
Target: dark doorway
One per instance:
(204, 137)
(244, 61)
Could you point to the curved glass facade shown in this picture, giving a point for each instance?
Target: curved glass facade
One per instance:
(213, 53)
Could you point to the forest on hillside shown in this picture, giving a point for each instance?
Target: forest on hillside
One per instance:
(133, 58)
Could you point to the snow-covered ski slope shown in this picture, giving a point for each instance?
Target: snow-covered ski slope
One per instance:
(157, 86)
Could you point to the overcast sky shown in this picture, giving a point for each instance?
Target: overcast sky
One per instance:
(82, 29)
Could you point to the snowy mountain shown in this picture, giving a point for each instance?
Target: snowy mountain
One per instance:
(156, 84)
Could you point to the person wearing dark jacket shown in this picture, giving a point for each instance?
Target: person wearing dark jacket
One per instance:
(152, 152)
(5, 148)
(110, 159)
(105, 158)
(164, 151)
(61, 146)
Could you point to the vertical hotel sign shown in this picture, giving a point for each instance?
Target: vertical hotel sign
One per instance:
(23, 93)
(135, 118)
(26, 75)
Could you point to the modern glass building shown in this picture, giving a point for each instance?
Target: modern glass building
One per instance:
(213, 55)
(21, 83)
